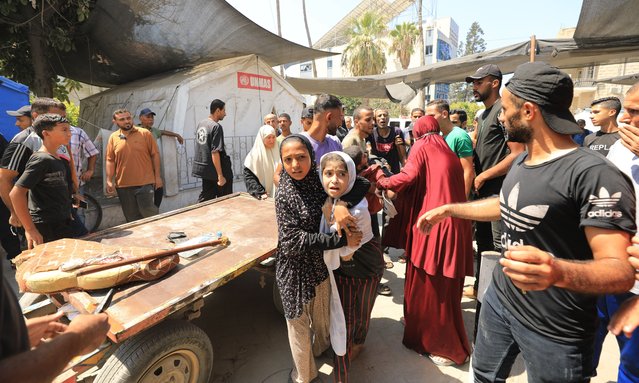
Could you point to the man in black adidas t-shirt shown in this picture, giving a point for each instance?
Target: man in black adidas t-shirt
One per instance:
(567, 216)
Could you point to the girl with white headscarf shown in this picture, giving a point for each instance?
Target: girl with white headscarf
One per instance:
(260, 164)
(355, 271)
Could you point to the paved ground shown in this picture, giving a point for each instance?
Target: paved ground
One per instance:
(250, 342)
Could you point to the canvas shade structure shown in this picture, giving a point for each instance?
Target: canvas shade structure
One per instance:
(126, 40)
(629, 79)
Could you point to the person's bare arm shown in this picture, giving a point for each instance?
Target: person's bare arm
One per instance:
(276, 176)
(88, 173)
(469, 173)
(626, 319)
(172, 134)
(217, 163)
(473, 137)
(480, 210)
(157, 172)
(609, 272)
(43, 363)
(6, 184)
(110, 173)
(501, 167)
(21, 205)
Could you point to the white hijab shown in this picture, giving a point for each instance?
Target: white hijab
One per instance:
(350, 167)
(262, 161)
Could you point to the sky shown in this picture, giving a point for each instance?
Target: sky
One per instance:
(504, 21)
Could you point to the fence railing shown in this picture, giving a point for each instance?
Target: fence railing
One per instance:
(236, 147)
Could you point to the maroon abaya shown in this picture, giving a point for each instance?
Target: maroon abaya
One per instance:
(437, 262)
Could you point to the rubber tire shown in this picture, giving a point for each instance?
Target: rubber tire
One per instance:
(97, 208)
(136, 355)
(277, 299)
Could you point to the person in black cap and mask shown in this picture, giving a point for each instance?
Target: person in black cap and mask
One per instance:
(567, 217)
(492, 158)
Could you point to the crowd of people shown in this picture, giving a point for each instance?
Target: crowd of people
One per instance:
(523, 179)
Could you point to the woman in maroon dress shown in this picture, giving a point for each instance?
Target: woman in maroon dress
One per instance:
(438, 262)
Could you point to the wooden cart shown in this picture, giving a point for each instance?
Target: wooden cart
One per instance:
(150, 337)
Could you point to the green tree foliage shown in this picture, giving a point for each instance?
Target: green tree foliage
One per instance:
(364, 54)
(33, 33)
(471, 108)
(403, 39)
(475, 43)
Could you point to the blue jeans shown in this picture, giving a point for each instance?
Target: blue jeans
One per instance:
(501, 337)
(607, 306)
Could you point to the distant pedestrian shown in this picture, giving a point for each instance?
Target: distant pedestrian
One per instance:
(260, 164)
(211, 163)
(132, 157)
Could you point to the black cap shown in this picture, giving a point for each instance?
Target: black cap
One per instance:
(23, 111)
(549, 88)
(307, 112)
(483, 71)
(146, 112)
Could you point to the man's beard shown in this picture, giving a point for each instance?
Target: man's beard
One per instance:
(126, 127)
(518, 131)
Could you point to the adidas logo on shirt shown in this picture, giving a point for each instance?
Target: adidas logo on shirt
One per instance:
(521, 220)
(603, 200)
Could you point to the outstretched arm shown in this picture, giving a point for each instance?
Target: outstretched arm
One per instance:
(480, 210)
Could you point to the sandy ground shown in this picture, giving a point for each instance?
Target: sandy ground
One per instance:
(250, 342)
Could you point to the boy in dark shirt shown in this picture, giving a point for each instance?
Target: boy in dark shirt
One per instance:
(46, 214)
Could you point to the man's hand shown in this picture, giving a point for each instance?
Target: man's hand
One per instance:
(629, 136)
(86, 175)
(343, 219)
(633, 251)
(399, 141)
(530, 268)
(626, 318)
(158, 182)
(110, 189)
(45, 327)
(33, 237)
(14, 221)
(479, 181)
(91, 330)
(354, 238)
(431, 218)
(264, 196)
(221, 181)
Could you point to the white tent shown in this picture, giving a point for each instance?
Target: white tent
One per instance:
(180, 99)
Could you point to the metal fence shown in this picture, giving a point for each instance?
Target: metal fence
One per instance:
(236, 147)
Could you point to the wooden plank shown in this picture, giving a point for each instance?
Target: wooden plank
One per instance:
(251, 227)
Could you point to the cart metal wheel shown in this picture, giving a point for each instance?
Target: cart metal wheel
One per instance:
(173, 351)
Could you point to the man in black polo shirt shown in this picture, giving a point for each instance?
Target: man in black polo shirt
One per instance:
(493, 156)
(567, 217)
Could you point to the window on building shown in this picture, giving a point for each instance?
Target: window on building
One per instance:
(429, 50)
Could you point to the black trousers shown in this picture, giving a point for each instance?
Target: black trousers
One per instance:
(210, 190)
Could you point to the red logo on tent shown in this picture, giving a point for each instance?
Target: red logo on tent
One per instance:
(254, 81)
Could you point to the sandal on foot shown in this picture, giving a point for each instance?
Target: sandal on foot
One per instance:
(384, 290)
(440, 360)
(389, 265)
(402, 258)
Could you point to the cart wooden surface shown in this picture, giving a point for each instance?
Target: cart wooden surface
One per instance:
(250, 226)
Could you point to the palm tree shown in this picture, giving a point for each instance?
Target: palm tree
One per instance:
(403, 39)
(364, 54)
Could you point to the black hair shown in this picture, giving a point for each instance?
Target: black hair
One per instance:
(417, 110)
(441, 105)
(42, 105)
(326, 101)
(285, 115)
(120, 111)
(463, 117)
(47, 121)
(608, 103)
(359, 110)
(215, 105)
(332, 157)
(355, 153)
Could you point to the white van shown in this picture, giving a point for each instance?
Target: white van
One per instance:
(402, 123)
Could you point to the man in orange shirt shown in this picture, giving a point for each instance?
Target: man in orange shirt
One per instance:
(132, 156)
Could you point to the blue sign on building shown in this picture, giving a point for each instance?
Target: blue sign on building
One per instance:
(13, 95)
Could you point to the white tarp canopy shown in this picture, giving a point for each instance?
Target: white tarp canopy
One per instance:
(249, 87)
